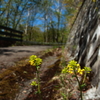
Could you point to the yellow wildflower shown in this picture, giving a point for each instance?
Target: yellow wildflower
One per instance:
(74, 67)
(72, 63)
(78, 65)
(34, 60)
(71, 72)
(33, 57)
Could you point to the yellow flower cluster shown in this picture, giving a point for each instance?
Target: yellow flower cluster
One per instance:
(80, 71)
(74, 68)
(34, 60)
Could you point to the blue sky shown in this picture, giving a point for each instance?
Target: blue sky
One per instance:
(39, 17)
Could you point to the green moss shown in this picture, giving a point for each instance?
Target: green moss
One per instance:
(8, 87)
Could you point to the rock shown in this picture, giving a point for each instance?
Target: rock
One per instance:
(84, 40)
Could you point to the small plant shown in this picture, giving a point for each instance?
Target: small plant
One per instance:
(35, 61)
(34, 83)
(74, 69)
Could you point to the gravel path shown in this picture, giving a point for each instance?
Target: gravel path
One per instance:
(10, 55)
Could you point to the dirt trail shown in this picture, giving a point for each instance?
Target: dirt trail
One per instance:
(10, 55)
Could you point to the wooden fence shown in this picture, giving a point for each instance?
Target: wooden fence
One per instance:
(10, 34)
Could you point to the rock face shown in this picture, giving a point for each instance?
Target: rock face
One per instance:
(84, 40)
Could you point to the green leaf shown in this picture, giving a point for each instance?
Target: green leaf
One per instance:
(25, 72)
(38, 67)
(83, 85)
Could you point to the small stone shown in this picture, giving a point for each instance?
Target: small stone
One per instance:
(24, 91)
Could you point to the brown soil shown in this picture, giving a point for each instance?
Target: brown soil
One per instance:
(48, 92)
(15, 81)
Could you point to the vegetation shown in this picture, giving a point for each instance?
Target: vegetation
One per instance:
(40, 20)
(35, 62)
(74, 69)
(52, 82)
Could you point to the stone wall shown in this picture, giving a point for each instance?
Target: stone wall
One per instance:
(84, 40)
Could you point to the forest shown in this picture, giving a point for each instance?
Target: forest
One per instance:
(40, 20)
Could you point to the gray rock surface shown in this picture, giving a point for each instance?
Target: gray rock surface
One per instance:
(84, 40)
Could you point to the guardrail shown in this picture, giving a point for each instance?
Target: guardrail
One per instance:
(9, 34)
(42, 43)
